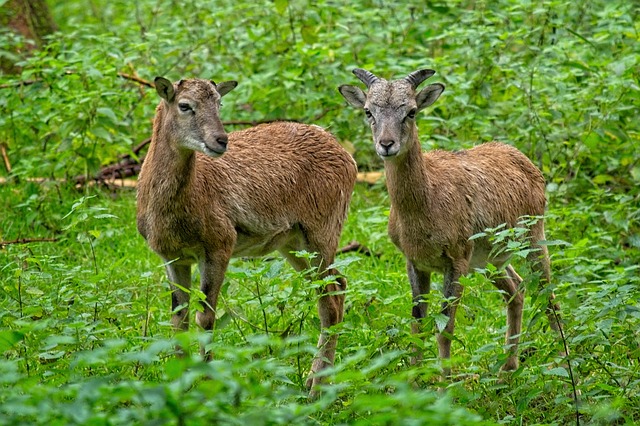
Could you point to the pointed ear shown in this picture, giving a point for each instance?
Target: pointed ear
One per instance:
(354, 95)
(164, 88)
(428, 95)
(226, 86)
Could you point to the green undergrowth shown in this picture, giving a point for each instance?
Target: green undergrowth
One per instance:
(86, 335)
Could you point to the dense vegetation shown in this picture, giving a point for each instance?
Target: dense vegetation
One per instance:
(84, 319)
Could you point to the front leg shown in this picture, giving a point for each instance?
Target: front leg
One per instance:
(180, 274)
(212, 270)
(420, 286)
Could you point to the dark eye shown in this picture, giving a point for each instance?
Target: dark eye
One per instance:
(184, 107)
(412, 114)
(368, 113)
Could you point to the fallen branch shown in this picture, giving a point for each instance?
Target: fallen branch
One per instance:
(27, 241)
(115, 174)
(357, 247)
(5, 157)
(136, 150)
(370, 177)
(18, 84)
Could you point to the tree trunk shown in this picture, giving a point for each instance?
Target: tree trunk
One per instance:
(32, 20)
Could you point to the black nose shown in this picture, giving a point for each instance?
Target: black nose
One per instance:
(387, 143)
(222, 140)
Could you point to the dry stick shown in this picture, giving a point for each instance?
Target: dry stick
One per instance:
(357, 247)
(136, 79)
(18, 84)
(28, 241)
(137, 148)
(5, 157)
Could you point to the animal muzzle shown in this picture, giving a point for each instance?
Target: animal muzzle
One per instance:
(387, 147)
(216, 145)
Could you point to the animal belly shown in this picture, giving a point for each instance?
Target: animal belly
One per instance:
(255, 245)
(484, 253)
(426, 256)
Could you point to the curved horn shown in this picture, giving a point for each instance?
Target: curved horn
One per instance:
(365, 76)
(417, 77)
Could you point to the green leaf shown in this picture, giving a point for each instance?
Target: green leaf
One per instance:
(602, 179)
(309, 34)
(554, 243)
(102, 133)
(107, 112)
(281, 6)
(557, 371)
(441, 321)
(8, 338)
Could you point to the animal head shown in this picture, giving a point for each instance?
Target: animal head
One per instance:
(391, 108)
(192, 107)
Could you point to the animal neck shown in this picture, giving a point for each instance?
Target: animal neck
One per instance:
(408, 179)
(168, 169)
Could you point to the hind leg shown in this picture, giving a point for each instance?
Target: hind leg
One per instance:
(330, 302)
(541, 264)
(452, 291)
(510, 287)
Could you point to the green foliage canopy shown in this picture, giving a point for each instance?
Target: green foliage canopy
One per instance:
(557, 79)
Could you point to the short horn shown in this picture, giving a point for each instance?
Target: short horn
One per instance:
(365, 76)
(417, 77)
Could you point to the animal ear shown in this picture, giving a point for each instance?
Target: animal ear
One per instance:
(164, 88)
(354, 95)
(226, 86)
(428, 95)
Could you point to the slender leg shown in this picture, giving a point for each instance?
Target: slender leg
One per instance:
(420, 286)
(452, 291)
(212, 271)
(510, 286)
(330, 306)
(300, 264)
(179, 274)
(540, 263)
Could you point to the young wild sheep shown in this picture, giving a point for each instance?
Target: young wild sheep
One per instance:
(440, 199)
(280, 186)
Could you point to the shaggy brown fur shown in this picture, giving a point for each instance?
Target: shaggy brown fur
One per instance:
(280, 186)
(440, 199)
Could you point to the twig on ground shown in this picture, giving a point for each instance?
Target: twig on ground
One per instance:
(356, 246)
(5, 157)
(27, 241)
